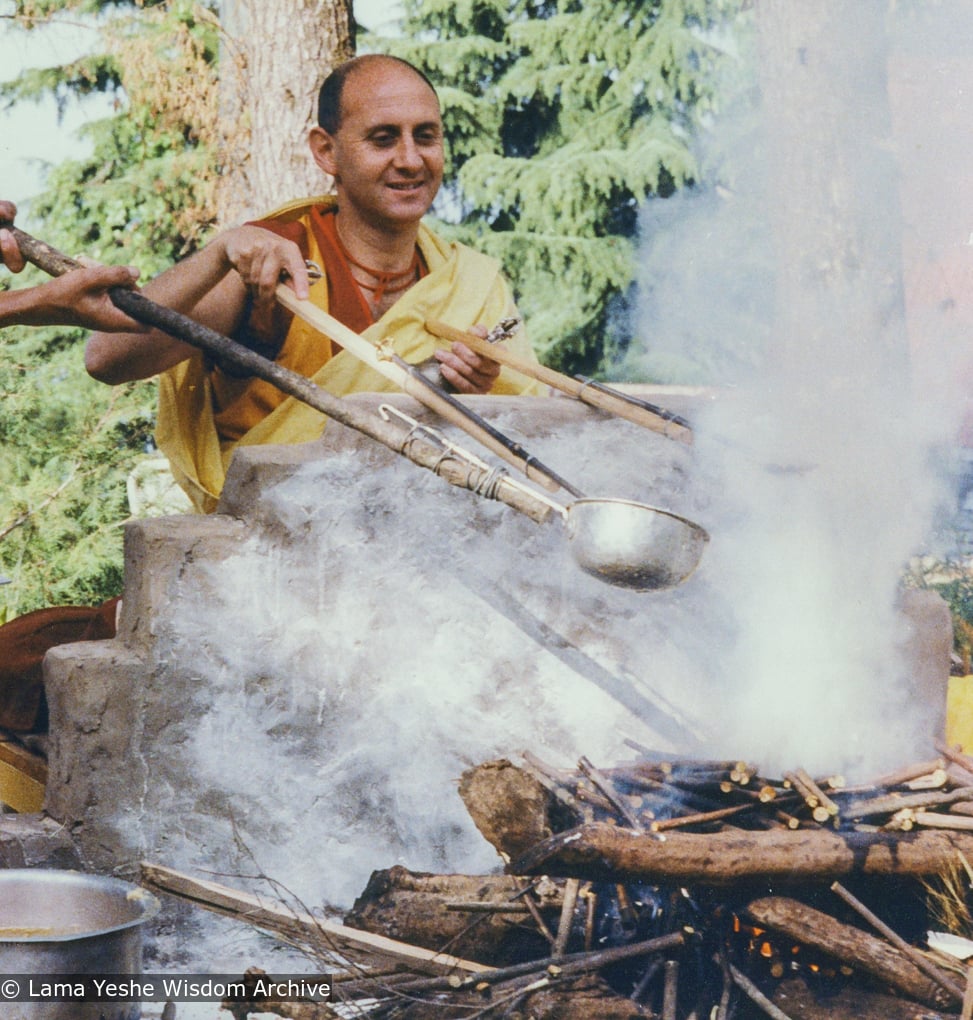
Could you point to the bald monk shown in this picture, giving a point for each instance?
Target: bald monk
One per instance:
(380, 138)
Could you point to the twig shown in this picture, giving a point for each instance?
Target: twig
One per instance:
(702, 817)
(723, 1009)
(591, 902)
(645, 980)
(571, 888)
(574, 963)
(908, 773)
(604, 786)
(514, 996)
(670, 990)
(538, 920)
(914, 955)
(755, 995)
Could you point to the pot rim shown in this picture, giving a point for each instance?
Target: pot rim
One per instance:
(148, 905)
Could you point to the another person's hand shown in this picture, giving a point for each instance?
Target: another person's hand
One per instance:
(464, 369)
(9, 252)
(80, 298)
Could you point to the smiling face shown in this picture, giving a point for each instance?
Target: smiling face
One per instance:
(386, 155)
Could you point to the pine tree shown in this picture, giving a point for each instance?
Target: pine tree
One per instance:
(562, 117)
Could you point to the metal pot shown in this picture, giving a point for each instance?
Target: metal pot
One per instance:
(64, 922)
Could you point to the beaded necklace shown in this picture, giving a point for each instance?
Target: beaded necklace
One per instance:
(388, 283)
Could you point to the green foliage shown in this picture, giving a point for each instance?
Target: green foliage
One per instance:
(563, 117)
(67, 445)
(142, 196)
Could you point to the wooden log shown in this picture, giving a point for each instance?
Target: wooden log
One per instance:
(919, 959)
(847, 944)
(415, 907)
(509, 806)
(609, 853)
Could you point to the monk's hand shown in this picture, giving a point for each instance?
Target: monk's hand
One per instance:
(464, 369)
(263, 259)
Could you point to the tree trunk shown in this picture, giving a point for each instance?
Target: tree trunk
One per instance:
(275, 55)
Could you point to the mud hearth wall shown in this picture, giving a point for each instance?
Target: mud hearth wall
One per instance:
(306, 672)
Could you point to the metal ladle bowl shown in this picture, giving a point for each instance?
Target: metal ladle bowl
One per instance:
(624, 543)
(632, 544)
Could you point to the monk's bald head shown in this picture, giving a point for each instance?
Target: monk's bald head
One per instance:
(329, 98)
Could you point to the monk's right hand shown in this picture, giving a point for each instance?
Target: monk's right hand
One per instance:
(263, 260)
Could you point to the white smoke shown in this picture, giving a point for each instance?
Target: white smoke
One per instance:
(785, 289)
(375, 635)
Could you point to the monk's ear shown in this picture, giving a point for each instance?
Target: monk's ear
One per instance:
(322, 149)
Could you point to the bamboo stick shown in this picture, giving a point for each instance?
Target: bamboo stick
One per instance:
(608, 400)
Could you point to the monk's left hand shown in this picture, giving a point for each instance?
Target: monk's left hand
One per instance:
(464, 369)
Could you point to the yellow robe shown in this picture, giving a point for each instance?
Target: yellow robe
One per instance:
(463, 288)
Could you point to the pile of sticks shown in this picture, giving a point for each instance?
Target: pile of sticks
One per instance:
(680, 890)
(656, 795)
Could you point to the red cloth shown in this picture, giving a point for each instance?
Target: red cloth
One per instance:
(23, 643)
(345, 300)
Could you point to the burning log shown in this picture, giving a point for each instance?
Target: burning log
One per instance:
(817, 930)
(600, 851)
